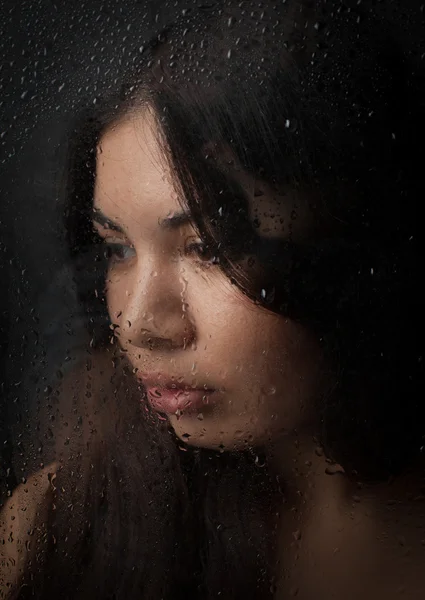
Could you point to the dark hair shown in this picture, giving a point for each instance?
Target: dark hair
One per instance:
(308, 100)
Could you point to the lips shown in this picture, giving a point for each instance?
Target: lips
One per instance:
(168, 400)
(169, 396)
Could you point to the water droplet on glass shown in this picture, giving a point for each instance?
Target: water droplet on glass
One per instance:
(334, 469)
(268, 390)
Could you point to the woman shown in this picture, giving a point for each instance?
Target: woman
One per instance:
(241, 196)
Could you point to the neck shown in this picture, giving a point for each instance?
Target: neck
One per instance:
(308, 476)
(329, 521)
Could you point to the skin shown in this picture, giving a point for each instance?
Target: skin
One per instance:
(177, 315)
(21, 512)
(342, 538)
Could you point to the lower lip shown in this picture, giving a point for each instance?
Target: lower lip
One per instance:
(170, 401)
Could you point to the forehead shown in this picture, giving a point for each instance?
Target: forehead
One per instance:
(134, 183)
(132, 174)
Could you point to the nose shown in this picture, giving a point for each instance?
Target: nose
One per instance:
(156, 315)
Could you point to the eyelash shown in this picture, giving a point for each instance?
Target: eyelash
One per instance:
(112, 250)
(198, 249)
(201, 250)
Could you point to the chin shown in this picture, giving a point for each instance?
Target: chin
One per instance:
(213, 435)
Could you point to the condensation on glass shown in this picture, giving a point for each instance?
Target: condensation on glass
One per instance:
(210, 371)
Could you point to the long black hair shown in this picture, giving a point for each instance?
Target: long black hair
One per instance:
(312, 101)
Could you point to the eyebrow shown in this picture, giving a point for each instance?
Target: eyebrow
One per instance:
(171, 222)
(100, 218)
(174, 221)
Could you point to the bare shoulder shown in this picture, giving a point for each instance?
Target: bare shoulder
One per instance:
(18, 519)
(76, 429)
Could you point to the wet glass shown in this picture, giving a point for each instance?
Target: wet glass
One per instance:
(208, 326)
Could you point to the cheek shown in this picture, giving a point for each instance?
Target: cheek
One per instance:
(292, 358)
(275, 356)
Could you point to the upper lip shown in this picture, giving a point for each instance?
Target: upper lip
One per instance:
(170, 382)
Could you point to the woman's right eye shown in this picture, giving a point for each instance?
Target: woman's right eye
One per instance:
(117, 252)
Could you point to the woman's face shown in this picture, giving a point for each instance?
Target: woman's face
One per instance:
(225, 372)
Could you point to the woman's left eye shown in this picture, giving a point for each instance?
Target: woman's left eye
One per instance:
(201, 250)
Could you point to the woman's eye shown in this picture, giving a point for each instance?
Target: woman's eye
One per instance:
(118, 252)
(201, 251)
